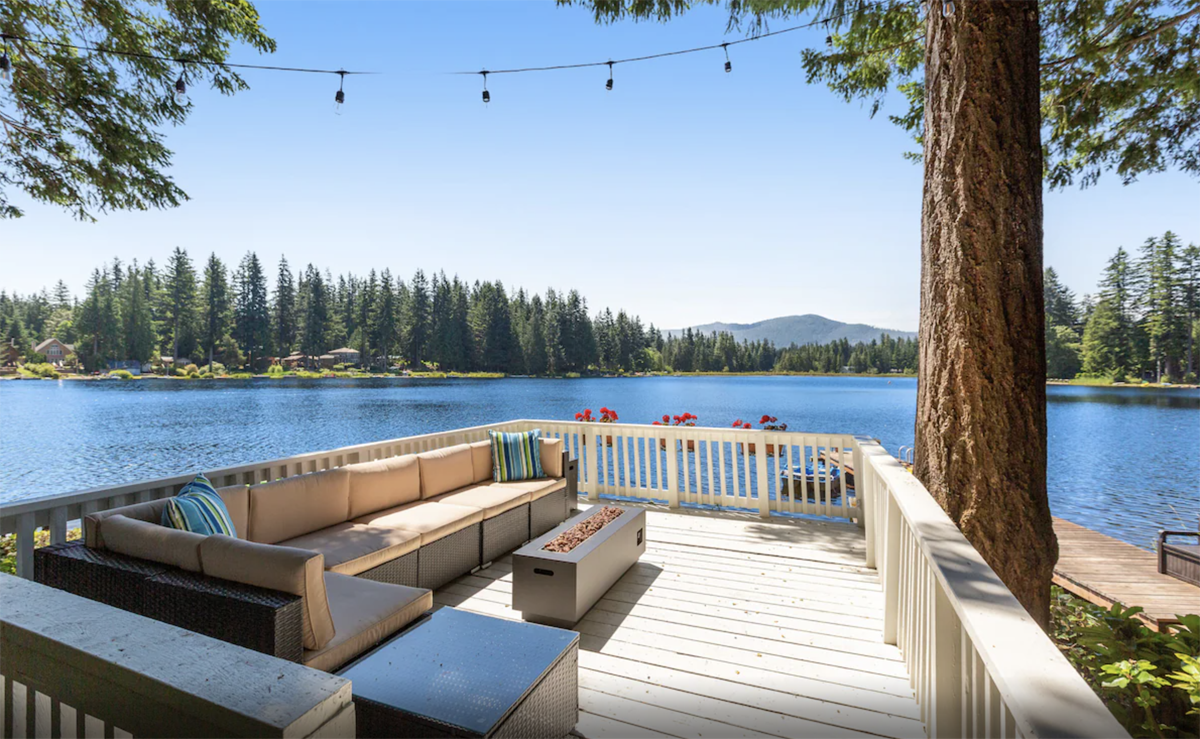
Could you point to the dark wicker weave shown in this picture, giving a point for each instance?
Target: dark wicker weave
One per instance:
(505, 532)
(399, 571)
(449, 557)
(98, 574)
(547, 512)
(264, 620)
(552, 708)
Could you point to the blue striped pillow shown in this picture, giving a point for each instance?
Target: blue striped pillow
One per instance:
(516, 456)
(198, 509)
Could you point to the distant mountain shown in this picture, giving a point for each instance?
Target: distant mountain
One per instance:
(806, 329)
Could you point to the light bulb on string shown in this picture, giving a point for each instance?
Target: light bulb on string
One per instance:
(487, 98)
(948, 9)
(339, 97)
(608, 85)
(181, 98)
(728, 64)
(829, 42)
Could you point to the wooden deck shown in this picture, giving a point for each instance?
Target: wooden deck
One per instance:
(1104, 571)
(732, 627)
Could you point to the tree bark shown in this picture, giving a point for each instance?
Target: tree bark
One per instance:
(981, 401)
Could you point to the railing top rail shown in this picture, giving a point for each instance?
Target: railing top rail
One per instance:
(1045, 694)
(751, 434)
(54, 500)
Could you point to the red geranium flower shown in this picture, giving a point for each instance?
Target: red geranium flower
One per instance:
(764, 419)
(746, 425)
(578, 416)
(666, 418)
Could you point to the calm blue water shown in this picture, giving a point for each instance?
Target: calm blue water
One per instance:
(1125, 461)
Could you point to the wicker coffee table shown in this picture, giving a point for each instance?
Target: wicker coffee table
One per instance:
(464, 675)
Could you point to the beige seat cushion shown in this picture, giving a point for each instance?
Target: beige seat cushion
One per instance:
(443, 470)
(287, 508)
(295, 571)
(431, 520)
(150, 511)
(351, 548)
(152, 541)
(365, 613)
(481, 461)
(550, 451)
(493, 499)
(237, 502)
(383, 483)
(537, 489)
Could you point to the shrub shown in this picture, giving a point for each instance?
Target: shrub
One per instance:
(121, 374)
(32, 357)
(1146, 678)
(41, 369)
(275, 369)
(191, 369)
(8, 547)
(179, 372)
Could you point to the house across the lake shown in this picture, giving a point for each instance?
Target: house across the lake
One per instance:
(345, 355)
(133, 366)
(56, 351)
(8, 353)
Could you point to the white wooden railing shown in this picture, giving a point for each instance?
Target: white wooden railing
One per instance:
(764, 471)
(70, 666)
(979, 665)
(53, 512)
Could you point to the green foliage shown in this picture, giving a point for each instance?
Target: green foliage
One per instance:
(40, 369)
(1140, 674)
(85, 130)
(41, 538)
(121, 374)
(275, 369)
(32, 357)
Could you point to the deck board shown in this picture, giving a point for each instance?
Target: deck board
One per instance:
(731, 626)
(1103, 570)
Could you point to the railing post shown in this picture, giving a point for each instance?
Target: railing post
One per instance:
(58, 525)
(946, 714)
(864, 495)
(891, 569)
(25, 534)
(762, 484)
(673, 470)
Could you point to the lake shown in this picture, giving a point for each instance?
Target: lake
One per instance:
(1124, 461)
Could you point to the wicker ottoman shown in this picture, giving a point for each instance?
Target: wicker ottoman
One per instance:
(465, 675)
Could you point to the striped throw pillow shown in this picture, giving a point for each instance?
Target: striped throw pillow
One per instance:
(198, 509)
(516, 456)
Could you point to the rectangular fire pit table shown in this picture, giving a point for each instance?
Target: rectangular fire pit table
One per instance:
(459, 674)
(558, 588)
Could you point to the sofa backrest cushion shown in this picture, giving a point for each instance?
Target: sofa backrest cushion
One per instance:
(237, 502)
(383, 483)
(551, 452)
(151, 541)
(293, 506)
(516, 455)
(481, 461)
(287, 569)
(150, 511)
(443, 470)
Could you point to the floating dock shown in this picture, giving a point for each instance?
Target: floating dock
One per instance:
(1103, 570)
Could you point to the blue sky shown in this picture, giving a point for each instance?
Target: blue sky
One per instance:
(685, 195)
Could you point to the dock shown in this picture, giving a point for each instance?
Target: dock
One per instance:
(1104, 570)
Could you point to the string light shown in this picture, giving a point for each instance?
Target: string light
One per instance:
(608, 85)
(486, 97)
(181, 90)
(728, 64)
(948, 9)
(339, 97)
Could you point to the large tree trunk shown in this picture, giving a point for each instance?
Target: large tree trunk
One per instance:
(981, 402)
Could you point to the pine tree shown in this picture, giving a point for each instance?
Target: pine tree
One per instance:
(1189, 299)
(416, 320)
(1159, 302)
(62, 295)
(384, 323)
(252, 313)
(215, 315)
(368, 294)
(314, 329)
(179, 304)
(285, 309)
(137, 321)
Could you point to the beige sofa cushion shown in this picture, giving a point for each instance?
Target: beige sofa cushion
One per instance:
(351, 548)
(443, 470)
(537, 489)
(431, 520)
(481, 461)
(237, 502)
(150, 511)
(295, 571)
(365, 613)
(152, 541)
(287, 508)
(550, 451)
(493, 499)
(383, 483)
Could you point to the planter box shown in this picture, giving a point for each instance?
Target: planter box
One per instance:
(559, 588)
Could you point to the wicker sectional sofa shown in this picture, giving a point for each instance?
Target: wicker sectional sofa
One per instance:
(325, 565)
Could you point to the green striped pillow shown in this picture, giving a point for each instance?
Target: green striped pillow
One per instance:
(198, 509)
(516, 456)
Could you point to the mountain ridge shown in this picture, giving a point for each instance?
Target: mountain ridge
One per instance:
(809, 328)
